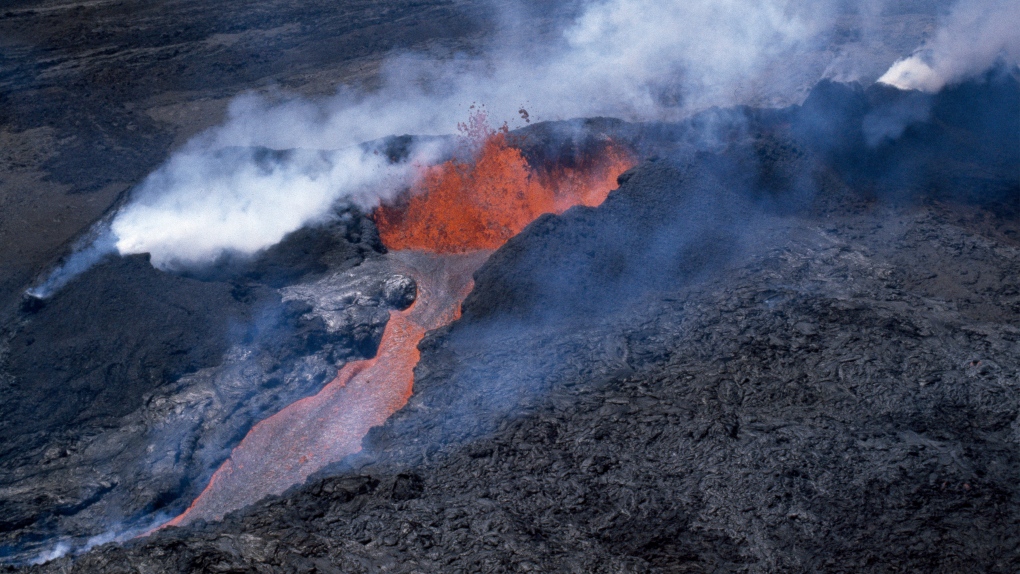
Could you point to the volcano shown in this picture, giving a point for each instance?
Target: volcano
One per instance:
(738, 335)
(731, 317)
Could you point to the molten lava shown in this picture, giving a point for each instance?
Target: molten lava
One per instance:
(455, 215)
(313, 432)
(463, 205)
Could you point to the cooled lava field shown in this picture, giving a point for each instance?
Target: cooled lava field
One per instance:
(759, 336)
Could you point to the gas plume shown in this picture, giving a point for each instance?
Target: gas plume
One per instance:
(975, 36)
(88, 250)
(117, 533)
(246, 199)
(633, 59)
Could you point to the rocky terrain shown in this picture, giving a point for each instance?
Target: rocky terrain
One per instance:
(787, 343)
(774, 349)
(147, 412)
(813, 410)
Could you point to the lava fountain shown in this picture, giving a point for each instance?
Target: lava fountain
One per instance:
(440, 233)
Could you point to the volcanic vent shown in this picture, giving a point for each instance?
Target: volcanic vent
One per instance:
(439, 233)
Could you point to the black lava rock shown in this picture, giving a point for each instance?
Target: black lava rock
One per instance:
(761, 354)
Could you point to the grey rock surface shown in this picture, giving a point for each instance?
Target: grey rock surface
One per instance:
(355, 297)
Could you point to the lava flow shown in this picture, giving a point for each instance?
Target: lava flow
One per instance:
(455, 215)
(463, 206)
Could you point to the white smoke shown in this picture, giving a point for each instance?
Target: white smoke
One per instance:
(975, 36)
(637, 59)
(632, 59)
(59, 550)
(89, 249)
(205, 202)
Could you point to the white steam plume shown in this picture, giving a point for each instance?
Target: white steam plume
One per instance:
(633, 59)
(636, 59)
(976, 35)
(205, 202)
(118, 533)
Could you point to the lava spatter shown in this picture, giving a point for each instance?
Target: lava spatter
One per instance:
(464, 205)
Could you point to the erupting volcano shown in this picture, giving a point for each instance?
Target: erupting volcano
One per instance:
(441, 232)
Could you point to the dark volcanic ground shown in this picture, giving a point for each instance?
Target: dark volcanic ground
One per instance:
(761, 354)
(818, 408)
(789, 343)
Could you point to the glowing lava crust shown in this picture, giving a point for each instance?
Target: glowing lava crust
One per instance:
(452, 219)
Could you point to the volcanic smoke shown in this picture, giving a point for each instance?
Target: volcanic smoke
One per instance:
(441, 232)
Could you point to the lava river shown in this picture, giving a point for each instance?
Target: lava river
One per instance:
(456, 214)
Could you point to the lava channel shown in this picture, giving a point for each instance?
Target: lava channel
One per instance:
(452, 219)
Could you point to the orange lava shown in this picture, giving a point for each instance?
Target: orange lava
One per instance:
(284, 449)
(456, 214)
(464, 205)
(289, 446)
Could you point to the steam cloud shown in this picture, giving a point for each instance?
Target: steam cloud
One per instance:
(210, 199)
(205, 202)
(632, 59)
(976, 35)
